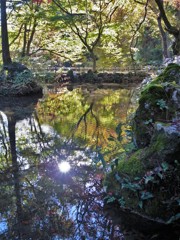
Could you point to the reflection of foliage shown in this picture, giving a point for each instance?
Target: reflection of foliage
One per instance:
(46, 203)
(39, 201)
(62, 104)
(94, 124)
(57, 205)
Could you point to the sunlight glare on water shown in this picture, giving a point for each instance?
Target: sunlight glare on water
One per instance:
(64, 167)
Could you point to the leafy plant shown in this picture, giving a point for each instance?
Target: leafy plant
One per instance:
(23, 78)
(162, 104)
(148, 122)
(174, 218)
(121, 201)
(131, 186)
(143, 189)
(109, 199)
(145, 195)
(165, 166)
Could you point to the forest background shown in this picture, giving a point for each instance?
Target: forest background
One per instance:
(98, 34)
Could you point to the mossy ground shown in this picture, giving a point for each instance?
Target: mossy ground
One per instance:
(132, 166)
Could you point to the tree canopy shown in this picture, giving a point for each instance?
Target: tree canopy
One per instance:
(94, 33)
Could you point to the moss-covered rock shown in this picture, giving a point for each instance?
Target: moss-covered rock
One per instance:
(22, 84)
(164, 146)
(170, 74)
(132, 166)
(147, 180)
(159, 101)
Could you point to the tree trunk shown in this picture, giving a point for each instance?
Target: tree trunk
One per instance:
(94, 59)
(4, 33)
(169, 28)
(176, 45)
(31, 37)
(165, 51)
(23, 54)
(94, 65)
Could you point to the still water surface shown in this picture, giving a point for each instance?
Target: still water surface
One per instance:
(54, 151)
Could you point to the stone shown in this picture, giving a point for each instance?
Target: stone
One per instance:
(159, 102)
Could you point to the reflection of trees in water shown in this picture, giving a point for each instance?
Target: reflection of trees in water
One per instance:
(83, 118)
(91, 221)
(29, 212)
(89, 121)
(100, 128)
(41, 202)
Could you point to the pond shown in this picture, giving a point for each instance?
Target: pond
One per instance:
(54, 151)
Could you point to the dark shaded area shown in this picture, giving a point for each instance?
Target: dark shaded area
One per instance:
(19, 107)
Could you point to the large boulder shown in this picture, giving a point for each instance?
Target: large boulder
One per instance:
(164, 145)
(159, 102)
(145, 182)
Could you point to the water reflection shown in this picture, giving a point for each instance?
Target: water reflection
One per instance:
(76, 130)
(64, 167)
(93, 119)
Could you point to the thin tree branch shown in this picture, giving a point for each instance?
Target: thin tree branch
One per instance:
(138, 28)
(16, 37)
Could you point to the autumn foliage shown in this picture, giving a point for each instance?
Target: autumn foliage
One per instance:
(41, 1)
(175, 3)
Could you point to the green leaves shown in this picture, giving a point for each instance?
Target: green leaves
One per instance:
(149, 178)
(111, 199)
(118, 178)
(165, 166)
(121, 201)
(145, 195)
(126, 183)
(131, 186)
(174, 218)
(148, 122)
(162, 104)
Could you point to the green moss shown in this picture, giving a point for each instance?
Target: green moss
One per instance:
(151, 131)
(171, 73)
(159, 143)
(156, 103)
(132, 166)
(152, 93)
(155, 90)
(131, 199)
(155, 206)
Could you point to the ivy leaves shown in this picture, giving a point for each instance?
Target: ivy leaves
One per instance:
(142, 190)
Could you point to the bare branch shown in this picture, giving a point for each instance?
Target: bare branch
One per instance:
(16, 37)
(136, 1)
(138, 28)
(48, 50)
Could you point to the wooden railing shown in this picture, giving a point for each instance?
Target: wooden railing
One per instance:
(80, 70)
